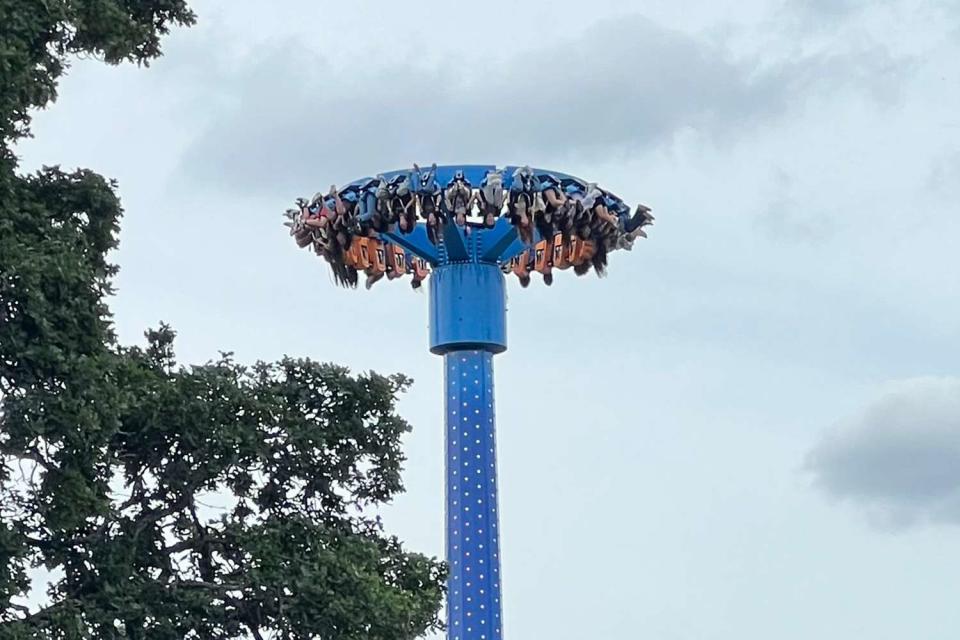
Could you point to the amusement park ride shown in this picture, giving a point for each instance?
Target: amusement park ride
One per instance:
(465, 227)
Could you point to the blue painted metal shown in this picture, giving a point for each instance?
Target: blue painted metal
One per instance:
(468, 308)
(468, 326)
(416, 242)
(492, 246)
(474, 609)
(455, 243)
(514, 249)
(497, 240)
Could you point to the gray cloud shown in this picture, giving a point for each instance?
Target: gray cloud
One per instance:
(899, 459)
(288, 118)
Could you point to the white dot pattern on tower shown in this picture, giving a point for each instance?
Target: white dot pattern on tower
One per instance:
(473, 597)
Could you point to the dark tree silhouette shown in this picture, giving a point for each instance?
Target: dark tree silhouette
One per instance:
(109, 453)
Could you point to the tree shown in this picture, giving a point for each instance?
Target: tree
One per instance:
(111, 455)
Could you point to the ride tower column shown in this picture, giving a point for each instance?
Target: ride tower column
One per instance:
(468, 327)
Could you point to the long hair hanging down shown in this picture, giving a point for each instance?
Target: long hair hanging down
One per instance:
(343, 275)
(583, 268)
(599, 259)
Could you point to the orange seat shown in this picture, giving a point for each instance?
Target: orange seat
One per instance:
(587, 251)
(398, 262)
(581, 251)
(542, 256)
(356, 254)
(377, 252)
(353, 257)
(561, 252)
(421, 268)
(366, 254)
(365, 259)
(521, 264)
(574, 249)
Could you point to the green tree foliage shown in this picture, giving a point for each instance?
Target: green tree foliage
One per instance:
(214, 501)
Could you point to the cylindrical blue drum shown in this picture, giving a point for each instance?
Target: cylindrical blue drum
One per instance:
(468, 308)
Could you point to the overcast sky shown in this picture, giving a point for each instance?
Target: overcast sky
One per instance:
(750, 429)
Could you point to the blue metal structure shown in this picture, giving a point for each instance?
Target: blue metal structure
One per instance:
(474, 609)
(487, 246)
(467, 328)
(467, 308)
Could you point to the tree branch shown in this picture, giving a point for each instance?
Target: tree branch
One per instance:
(210, 586)
(192, 543)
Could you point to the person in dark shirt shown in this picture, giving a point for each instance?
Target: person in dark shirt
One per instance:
(523, 189)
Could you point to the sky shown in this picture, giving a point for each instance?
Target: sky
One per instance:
(749, 429)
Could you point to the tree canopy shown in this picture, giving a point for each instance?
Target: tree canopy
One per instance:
(167, 501)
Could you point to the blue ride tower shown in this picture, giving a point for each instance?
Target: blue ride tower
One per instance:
(467, 313)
